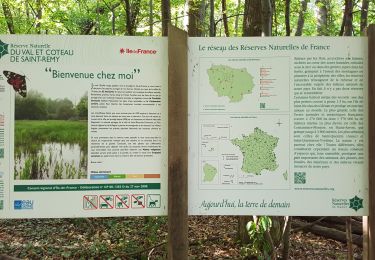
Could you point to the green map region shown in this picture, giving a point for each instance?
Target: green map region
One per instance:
(258, 151)
(230, 82)
(209, 172)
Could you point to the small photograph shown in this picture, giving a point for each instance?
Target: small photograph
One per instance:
(50, 131)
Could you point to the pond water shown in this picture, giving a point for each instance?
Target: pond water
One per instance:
(50, 161)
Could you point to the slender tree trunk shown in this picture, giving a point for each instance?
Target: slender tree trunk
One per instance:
(202, 17)
(252, 23)
(212, 19)
(225, 19)
(38, 16)
(364, 12)
(8, 16)
(348, 18)
(237, 18)
(287, 17)
(132, 11)
(128, 11)
(267, 17)
(151, 18)
(165, 15)
(349, 239)
(301, 18)
(193, 27)
(322, 17)
(286, 237)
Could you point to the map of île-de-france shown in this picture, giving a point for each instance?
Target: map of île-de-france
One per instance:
(258, 151)
(230, 82)
(209, 172)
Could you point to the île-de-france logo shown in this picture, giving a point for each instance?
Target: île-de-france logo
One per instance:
(3, 49)
(356, 203)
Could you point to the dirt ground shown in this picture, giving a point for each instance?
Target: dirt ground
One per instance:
(142, 238)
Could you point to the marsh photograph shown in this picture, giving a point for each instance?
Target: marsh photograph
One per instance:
(50, 136)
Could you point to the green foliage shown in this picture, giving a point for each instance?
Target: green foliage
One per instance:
(109, 17)
(82, 107)
(36, 107)
(259, 246)
(33, 107)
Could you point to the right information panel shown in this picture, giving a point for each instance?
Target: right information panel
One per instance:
(278, 126)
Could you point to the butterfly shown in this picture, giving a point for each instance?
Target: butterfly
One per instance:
(17, 81)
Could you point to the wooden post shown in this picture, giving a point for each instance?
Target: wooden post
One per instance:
(177, 145)
(371, 140)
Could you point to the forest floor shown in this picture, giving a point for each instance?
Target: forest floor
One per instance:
(136, 238)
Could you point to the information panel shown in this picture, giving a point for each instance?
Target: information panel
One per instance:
(278, 126)
(82, 126)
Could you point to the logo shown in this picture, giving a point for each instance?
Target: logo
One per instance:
(138, 51)
(23, 204)
(356, 203)
(3, 49)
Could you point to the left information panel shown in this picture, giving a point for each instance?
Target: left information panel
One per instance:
(83, 126)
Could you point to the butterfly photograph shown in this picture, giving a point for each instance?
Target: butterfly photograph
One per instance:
(17, 81)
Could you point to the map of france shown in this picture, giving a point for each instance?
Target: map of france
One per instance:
(230, 82)
(258, 151)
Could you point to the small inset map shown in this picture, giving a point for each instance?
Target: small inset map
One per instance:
(210, 172)
(230, 82)
(258, 151)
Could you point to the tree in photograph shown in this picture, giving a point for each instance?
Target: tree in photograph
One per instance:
(82, 107)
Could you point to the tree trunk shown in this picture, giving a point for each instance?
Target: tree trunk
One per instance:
(348, 18)
(165, 15)
(202, 17)
(286, 237)
(193, 27)
(364, 12)
(38, 16)
(8, 16)
(322, 15)
(349, 241)
(225, 19)
(151, 19)
(237, 18)
(267, 17)
(252, 22)
(287, 17)
(301, 18)
(113, 18)
(132, 11)
(212, 19)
